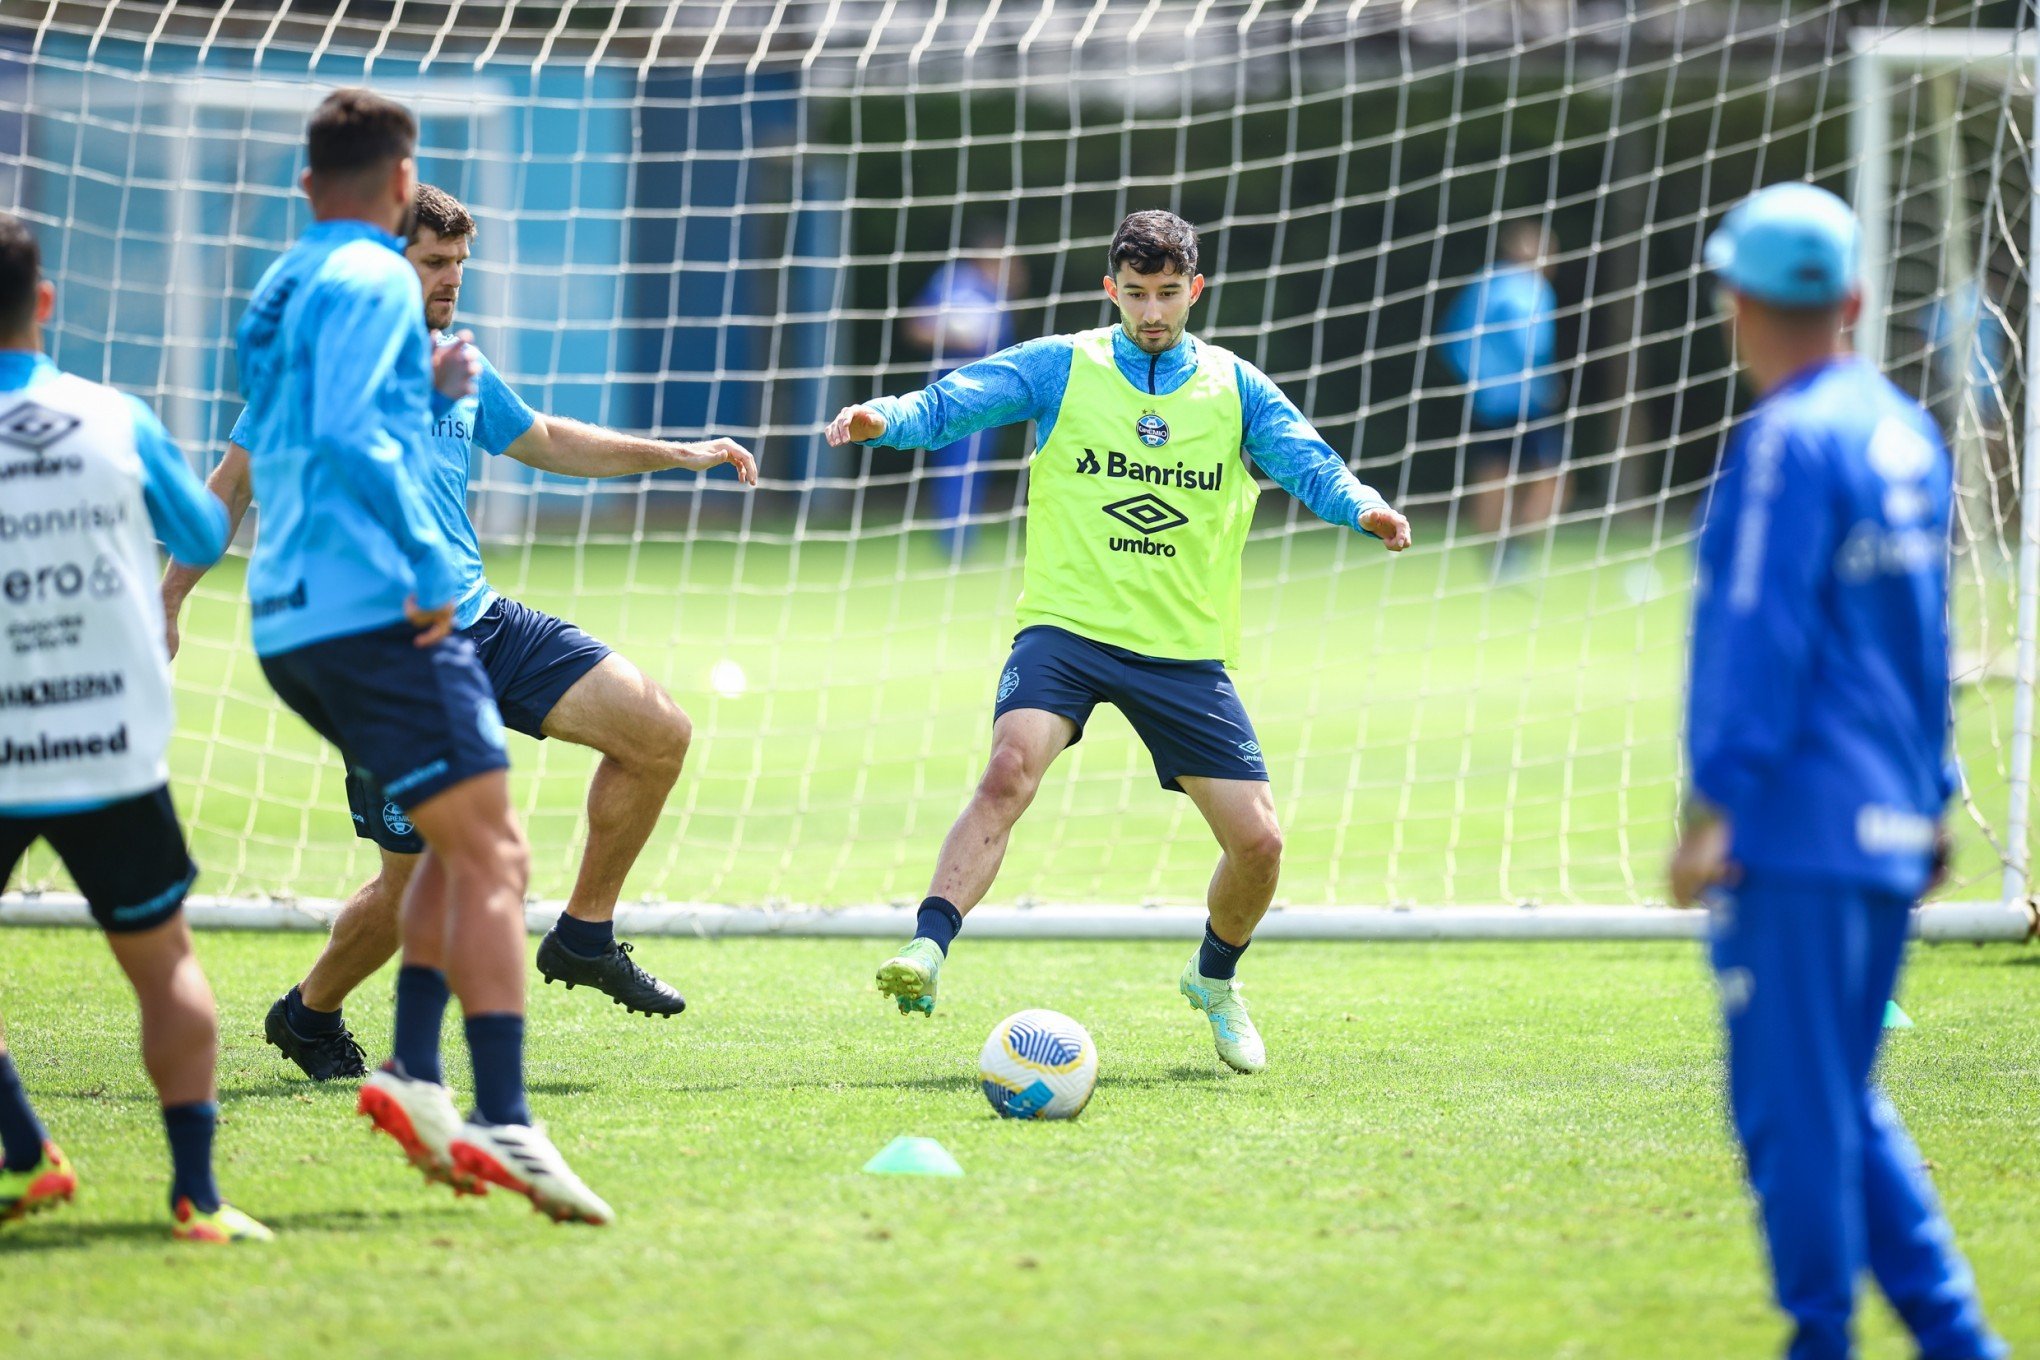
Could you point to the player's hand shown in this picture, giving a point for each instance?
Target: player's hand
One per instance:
(1385, 524)
(433, 625)
(715, 452)
(1944, 856)
(855, 425)
(1701, 860)
(456, 367)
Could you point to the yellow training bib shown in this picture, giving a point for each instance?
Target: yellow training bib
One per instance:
(1138, 508)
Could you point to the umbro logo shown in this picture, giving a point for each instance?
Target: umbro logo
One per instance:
(35, 427)
(1148, 513)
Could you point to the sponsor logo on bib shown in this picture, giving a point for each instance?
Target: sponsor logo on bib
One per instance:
(1148, 513)
(35, 427)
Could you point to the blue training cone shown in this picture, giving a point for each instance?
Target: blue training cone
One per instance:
(1894, 1018)
(906, 1156)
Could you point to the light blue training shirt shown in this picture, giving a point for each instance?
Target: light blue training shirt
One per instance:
(1501, 336)
(336, 369)
(491, 419)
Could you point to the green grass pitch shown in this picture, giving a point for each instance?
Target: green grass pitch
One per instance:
(1460, 1150)
(1432, 739)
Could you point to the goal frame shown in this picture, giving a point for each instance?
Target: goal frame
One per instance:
(1879, 60)
(1878, 57)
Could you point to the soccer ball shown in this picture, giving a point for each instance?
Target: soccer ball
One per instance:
(1038, 1065)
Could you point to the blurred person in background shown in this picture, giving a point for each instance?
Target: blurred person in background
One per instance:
(962, 314)
(1500, 338)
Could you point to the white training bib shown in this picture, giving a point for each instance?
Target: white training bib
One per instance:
(85, 709)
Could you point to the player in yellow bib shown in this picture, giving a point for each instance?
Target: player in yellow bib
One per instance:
(1140, 494)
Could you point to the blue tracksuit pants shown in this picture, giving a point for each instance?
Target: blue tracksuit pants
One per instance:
(1805, 969)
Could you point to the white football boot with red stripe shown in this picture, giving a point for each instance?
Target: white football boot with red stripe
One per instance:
(520, 1157)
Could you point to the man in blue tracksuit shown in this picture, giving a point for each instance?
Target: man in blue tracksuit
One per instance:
(1818, 726)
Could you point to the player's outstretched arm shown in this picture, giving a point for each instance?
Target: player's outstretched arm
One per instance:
(1023, 382)
(236, 490)
(574, 448)
(1288, 448)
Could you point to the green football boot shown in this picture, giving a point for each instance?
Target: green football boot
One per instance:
(908, 977)
(1232, 1031)
(32, 1189)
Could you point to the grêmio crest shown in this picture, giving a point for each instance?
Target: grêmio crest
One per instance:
(1152, 430)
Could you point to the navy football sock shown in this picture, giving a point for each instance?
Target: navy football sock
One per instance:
(21, 1133)
(306, 1022)
(496, 1045)
(1215, 958)
(190, 1130)
(422, 995)
(589, 939)
(939, 920)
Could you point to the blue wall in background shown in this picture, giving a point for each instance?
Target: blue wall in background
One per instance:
(612, 253)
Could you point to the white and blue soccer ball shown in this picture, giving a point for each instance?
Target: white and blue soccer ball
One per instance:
(1039, 1065)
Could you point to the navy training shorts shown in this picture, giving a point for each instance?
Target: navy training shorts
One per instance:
(127, 858)
(532, 659)
(1539, 448)
(410, 721)
(1186, 713)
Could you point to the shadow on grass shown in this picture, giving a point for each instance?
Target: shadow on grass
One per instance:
(559, 1086)
(1175, 1076)
(57, 1235)
(245, 1090)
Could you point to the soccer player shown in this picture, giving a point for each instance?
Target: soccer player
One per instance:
(85, 719)
(549, 679)
(1141, 492)
(1501, 337)
(353, 590)
(1818, 725)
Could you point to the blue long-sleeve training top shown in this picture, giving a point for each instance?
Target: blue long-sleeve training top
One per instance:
(1027, 382)
(336, 370)
(1818, 709)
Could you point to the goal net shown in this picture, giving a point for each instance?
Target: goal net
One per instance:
(733, 218)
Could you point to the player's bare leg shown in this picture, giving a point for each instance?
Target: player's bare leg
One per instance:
(643, 737)
(467, 903)
(1241, 814)
(1025, 742)
(462, 927)
(1540, 498)
(464, 911)
(364, 935)
(180, 1027)
(306, 1023)
(180, 1049)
